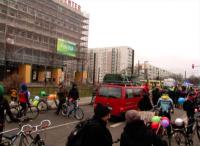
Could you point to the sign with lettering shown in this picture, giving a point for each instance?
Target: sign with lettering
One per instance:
(70, 3)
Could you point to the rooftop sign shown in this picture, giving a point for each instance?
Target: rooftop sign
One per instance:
(71, 4)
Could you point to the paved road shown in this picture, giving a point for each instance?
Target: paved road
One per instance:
(61, 126)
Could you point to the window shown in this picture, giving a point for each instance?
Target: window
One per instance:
(129, 93)
(134, 92)
(137, 92)
(110, 92)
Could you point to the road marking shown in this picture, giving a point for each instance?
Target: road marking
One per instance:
(9, 130)
(61, 125)
(116, 125)
(49, 128)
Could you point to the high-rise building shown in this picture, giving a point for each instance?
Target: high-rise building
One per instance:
(110, 60)
(38, 38)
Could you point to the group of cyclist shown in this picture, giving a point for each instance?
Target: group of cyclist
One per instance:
(22, 98)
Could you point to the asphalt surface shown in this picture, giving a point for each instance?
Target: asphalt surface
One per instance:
(57, 134)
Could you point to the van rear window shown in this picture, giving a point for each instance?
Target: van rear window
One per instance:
(133, 92)
(110, 92)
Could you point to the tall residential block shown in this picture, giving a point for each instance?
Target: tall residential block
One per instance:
(110, 60)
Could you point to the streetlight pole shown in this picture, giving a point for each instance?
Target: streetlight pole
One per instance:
(94, 68)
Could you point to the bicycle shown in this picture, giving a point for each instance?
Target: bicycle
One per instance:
(43, 104)
(71, 107)
(184, 136)
(31, 113)
(37, 140)
(11, 139)
(156, 110)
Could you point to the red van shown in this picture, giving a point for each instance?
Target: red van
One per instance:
(120, 98)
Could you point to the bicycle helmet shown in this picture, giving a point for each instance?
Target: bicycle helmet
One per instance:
(179, 122)
(36, 98)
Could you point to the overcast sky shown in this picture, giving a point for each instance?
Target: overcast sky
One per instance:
(164, 32)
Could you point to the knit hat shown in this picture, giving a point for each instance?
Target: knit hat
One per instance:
(1, 90)
(131, 116)
(23, 87)
(101, 110)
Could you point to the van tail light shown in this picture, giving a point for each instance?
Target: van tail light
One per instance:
(94, 105)
(121, 109)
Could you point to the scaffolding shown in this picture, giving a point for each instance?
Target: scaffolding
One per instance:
(29, 30)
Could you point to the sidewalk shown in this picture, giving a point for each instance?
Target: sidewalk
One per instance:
(84, 100)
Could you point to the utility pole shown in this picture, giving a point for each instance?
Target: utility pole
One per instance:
(138, 68)
(94, 68)
(132, 69)
(98, 74)
(185, 75)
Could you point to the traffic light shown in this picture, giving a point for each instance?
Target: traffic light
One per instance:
(192, 66)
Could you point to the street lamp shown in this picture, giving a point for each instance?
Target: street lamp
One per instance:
(146, 70)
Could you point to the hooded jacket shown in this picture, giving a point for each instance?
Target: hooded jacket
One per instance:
(137, 134)
(5, 106)
(97, 134)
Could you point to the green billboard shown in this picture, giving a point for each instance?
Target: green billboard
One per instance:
(66, 48)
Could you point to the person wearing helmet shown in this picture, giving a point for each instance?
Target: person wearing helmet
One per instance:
(4, 106)
(23, 99)
(165, 103)
(189, 107)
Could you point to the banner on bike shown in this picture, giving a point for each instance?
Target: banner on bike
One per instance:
(146, 115)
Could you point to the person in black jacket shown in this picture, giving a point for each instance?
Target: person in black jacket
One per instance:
(189, 107)
(97, 134)
(62, 93)
(155, 95)
(4, 106)
(74, 93)
(145, 103)
(136, 133)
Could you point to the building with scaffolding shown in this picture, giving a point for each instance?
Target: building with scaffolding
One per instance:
(41, 38)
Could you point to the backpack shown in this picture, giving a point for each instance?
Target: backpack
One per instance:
(76, 137)
(22, 97)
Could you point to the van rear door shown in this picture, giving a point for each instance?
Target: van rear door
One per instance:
(132, 97)
(110, 96)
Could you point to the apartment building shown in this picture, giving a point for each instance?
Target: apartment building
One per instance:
(109, 60)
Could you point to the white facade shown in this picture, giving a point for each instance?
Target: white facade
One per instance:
(109, 60)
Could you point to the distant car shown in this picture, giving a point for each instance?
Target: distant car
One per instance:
(119, 97)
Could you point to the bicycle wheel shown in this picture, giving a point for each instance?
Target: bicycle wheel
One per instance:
(15, 113)
(178, 138)
(42, 106)
(25, 140)
(79, 115)
(64, 109)
(32, 112)
(198, 131)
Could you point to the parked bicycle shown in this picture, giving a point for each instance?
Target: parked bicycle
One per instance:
(9, 139)
(36, 140)
(71, 108)
(44, 103)
(31, 112)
